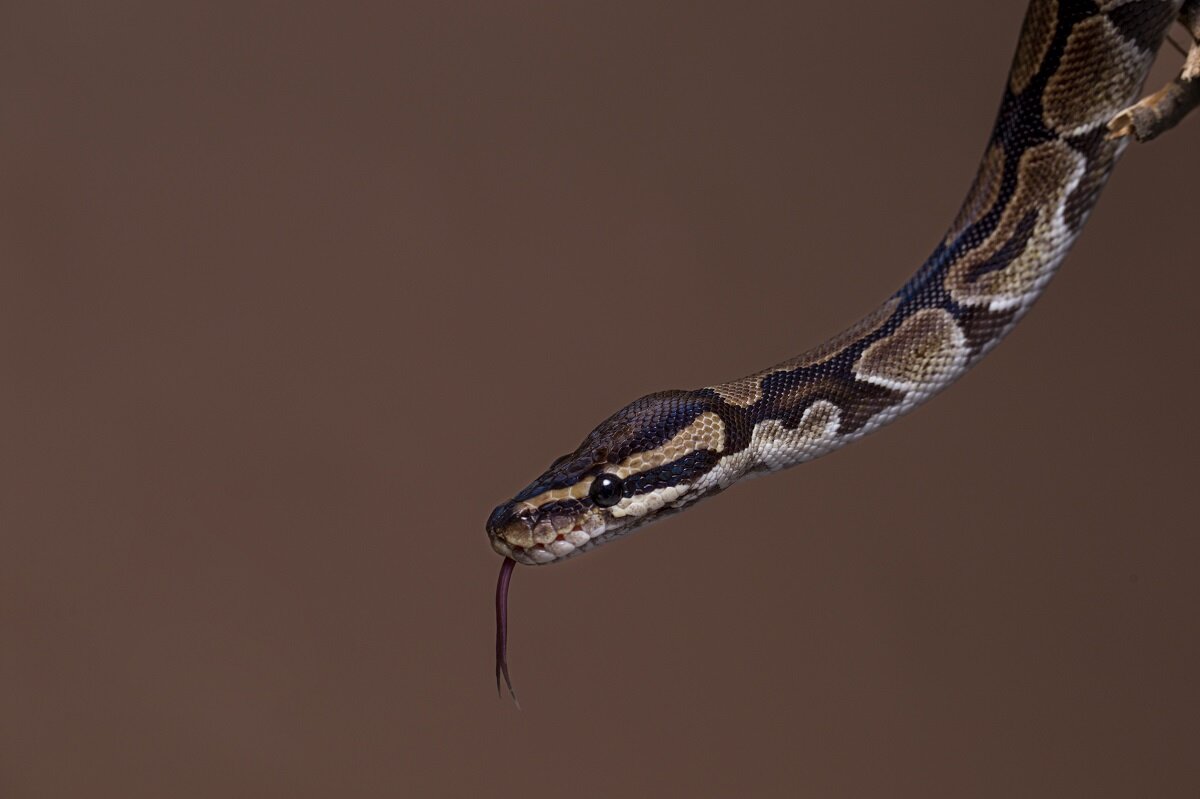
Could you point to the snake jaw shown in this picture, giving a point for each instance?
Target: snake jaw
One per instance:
(515, 540)
(531, 537)
(590, 531)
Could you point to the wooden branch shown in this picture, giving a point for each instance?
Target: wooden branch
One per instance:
(1154, 115)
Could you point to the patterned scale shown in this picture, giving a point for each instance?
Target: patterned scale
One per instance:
(1078, 64)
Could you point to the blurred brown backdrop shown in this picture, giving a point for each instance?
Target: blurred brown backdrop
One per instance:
(293, 293)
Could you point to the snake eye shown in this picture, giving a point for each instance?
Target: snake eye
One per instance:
(606, 490)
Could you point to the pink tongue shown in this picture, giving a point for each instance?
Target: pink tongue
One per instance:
(506, 570)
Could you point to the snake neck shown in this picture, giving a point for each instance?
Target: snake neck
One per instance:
(1046, 161)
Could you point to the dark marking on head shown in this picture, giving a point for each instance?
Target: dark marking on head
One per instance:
(643, 424)
(683, 470)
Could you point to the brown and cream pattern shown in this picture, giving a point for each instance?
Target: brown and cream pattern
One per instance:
(746, 391)
(924, 353)
(1028, 242)
(1078, 64)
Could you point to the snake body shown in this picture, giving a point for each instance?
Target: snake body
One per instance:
(1078, 64)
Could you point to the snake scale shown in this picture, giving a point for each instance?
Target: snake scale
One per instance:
(1078, 64)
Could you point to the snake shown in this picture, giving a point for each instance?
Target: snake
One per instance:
(1078, 63)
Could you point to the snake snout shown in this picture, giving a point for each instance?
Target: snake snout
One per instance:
(500, 518)
(508, 527)
(511, 530)
(535, 536)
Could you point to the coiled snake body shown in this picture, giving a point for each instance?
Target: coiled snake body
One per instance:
(1078, 65)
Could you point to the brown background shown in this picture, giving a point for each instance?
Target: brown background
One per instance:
(292, 294)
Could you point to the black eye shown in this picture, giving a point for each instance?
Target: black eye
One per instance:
(606, 490)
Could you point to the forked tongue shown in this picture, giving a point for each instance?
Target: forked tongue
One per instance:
(506, 570)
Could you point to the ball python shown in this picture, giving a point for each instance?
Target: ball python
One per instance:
(1078, 64)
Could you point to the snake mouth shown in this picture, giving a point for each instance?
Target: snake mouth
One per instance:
(536, 536)
(580, 537)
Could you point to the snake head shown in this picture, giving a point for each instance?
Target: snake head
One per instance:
(644, 462)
